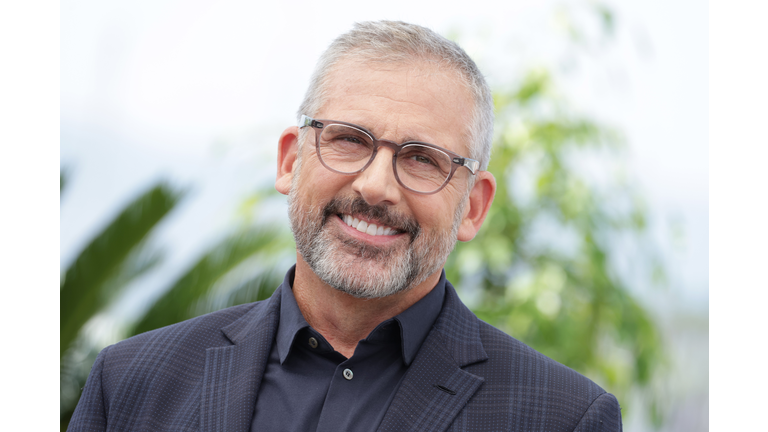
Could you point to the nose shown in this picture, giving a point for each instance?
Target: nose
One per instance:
(377, 183)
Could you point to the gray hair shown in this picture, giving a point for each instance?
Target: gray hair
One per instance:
(396, 41)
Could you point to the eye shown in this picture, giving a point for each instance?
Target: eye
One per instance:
(422, 159)
(352, 139)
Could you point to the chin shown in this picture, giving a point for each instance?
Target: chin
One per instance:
(368, 273)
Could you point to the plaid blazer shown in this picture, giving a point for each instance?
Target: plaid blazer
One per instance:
(204, 375)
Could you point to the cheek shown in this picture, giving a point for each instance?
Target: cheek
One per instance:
(317, 182)
(433, 214)
(438, 212)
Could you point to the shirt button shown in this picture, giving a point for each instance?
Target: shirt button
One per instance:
(313, 342)
(348, 374)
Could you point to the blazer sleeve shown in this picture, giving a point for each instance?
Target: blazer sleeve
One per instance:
(604, 415)
(91, 411)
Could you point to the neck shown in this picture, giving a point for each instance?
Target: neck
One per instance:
(342, 319)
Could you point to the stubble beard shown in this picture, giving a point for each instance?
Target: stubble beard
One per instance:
(360, 269)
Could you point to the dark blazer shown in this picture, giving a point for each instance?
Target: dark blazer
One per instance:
(204, 375)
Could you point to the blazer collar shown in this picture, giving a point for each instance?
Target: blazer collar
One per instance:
(249, 325)
(459, 329)
(233, 373)
(436, 388)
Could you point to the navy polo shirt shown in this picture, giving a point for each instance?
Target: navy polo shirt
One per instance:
(308, 386)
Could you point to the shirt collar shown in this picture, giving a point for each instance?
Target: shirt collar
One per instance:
(415, 322)
(291, 319)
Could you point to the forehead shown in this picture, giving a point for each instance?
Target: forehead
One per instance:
(414, 101)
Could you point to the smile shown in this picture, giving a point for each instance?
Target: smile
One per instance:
(368, 228)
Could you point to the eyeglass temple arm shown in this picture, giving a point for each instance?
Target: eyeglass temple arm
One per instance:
(471, 164)
(308, 121)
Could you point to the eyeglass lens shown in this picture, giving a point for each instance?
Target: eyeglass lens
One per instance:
(347, 150)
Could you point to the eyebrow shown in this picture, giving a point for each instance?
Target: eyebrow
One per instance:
(408, 138)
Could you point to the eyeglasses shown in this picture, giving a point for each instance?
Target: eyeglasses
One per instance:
(423, 168)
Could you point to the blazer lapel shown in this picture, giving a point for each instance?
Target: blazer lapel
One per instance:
(233, 373)
(435, 388)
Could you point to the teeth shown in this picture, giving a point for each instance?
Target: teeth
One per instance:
(363, 226)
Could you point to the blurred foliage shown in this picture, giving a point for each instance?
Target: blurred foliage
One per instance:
(539, 268)
(63, 177)
(182, 300)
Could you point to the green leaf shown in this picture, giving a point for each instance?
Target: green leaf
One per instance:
(114, 254)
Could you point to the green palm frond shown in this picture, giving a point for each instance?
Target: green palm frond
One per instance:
(180, 301)
(113, 257)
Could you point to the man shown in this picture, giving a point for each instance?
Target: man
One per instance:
(384, 172)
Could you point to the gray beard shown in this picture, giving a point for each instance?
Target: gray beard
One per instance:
(351, 266)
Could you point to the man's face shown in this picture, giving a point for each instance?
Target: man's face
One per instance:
(415, 233)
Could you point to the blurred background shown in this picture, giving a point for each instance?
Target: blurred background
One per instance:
(595, 253)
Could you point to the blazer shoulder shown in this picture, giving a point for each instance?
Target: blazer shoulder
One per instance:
(160, 372)
(501, 345)
(535, 387)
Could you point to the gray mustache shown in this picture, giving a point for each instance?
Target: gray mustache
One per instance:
(380, 213)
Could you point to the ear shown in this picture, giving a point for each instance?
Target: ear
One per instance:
(480, 199)
(287, 157)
